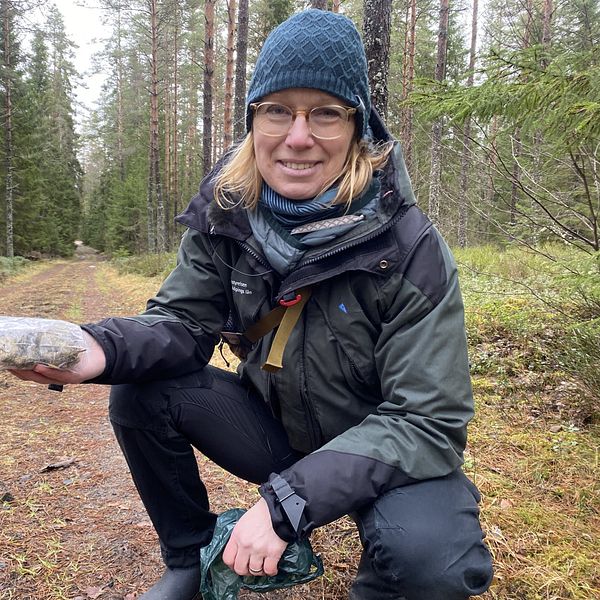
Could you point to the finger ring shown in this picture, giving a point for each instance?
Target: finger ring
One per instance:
(254, 571)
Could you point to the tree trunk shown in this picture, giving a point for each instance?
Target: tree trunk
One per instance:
(241, 54)
(120, 103)
(466, 161)
(437, 129)
(155, 196)
(516, 176)
(538, 137)
(191, 146)
(408, 76)
(167, 126)
(174, 173)
(492, 168)
(517, 146)
(151, 231)
(376, 36)
(209, 68)
(217, 133)
(227, 117)
(547, 25)
(8, 125)
(435, 173)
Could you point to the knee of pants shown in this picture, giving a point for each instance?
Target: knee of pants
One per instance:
(427, 568)
(145, 405)
(427, 541)
(138, 406)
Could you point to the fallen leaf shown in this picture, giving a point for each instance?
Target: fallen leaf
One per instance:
(504, 504)
(94, 592)
(131, 596)
(63, 464)
(6, 497)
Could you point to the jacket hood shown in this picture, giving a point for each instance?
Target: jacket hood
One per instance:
(205, 215)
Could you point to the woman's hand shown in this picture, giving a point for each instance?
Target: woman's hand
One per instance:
(254, 548)
(91, 363)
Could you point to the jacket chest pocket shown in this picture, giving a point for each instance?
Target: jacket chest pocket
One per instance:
(249, 300)
(354, 335)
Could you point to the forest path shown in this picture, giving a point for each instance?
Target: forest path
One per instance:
(66, 531)
(79, 531)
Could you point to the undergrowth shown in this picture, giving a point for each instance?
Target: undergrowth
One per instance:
(10, 266)
(148, 265)
(533, 323)
(536, 312)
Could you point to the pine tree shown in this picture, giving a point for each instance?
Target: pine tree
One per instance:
(377, 22)
(241, 51)
(228, 110)
(115, 205)
(408, 76)
(9, 53)
(209, 66)
(65, 170)
(435, 173)
(465, 163)
(47, 171)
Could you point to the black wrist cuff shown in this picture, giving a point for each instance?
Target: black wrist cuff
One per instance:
(286, 508)
(292, 504)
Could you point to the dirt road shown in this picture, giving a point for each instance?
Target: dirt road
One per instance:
(78, 530)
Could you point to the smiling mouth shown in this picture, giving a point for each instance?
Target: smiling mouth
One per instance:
(298, 166)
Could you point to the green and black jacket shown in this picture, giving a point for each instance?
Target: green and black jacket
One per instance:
(375, 385)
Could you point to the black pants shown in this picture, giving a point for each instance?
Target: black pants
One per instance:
(421, 542)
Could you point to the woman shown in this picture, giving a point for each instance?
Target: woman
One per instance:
(353, 396)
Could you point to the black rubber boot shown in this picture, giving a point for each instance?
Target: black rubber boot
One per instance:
(176, 584)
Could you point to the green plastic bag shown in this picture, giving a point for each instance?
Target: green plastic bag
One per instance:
(298, 564)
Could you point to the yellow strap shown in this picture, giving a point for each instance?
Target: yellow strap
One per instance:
(289, 320)
(264, 325)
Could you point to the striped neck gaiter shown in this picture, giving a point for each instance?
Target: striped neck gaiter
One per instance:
(291, 213)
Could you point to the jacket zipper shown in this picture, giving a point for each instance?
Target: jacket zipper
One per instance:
(311, 420)
(254, 254)
(351, 244)
(358, 241)
(312, 423)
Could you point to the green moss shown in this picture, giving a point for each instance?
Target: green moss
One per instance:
(483, 385)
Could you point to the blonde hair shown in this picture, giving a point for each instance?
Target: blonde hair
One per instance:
(239, 182)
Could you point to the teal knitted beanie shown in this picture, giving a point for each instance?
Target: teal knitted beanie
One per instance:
(314, 49)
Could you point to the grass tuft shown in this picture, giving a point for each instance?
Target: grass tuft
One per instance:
(11, 266)
(147, 265)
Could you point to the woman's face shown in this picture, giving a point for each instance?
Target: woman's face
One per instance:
(297, 165)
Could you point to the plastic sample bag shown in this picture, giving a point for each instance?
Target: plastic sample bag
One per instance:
(25, 342)
(297, 565)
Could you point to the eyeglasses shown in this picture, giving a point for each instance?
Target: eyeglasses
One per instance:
(325, 122)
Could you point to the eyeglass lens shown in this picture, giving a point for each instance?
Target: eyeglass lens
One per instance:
(325, 122)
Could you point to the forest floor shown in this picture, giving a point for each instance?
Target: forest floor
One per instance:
(72, 526)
